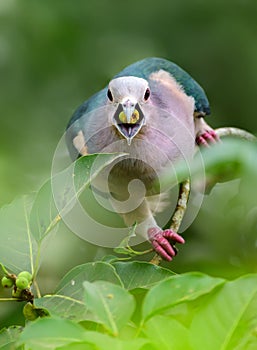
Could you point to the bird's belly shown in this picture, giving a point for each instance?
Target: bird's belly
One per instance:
(131, 169)
(149, 155)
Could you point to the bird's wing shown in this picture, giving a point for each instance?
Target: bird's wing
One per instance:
(146, 67)
(96, 101)
(77, 123)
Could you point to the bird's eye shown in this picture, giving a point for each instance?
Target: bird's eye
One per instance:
(109, 95)
(147, 94)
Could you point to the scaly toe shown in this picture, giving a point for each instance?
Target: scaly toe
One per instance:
(160, 242)
(207, 138)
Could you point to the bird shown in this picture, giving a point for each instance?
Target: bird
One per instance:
(153, 111)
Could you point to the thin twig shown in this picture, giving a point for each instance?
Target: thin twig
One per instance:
(240, 133)
(179, 213)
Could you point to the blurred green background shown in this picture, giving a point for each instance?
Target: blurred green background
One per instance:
(55, 54)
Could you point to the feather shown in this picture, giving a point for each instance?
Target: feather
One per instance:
(152, 111)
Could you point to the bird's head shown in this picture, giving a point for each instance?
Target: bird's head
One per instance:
(128, 95)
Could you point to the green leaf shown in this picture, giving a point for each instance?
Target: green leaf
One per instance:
(124, 247)
(44, 215)
(31, 313)
(63, 306)
(125, 251)
(48, 333)
(93, 271)
(59, 195)
(88, 167)
(8, 336)
(167, 333)
(69, 298)
(110, 258)
(111, 304)
(178, 289)
(78, 346)
(17, 245)
(228, 320)
(222, 162)
(137, 274)
(107, 342)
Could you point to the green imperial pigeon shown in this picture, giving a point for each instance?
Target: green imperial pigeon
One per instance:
(153, 111)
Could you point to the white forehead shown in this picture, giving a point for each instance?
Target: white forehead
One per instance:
(128, 86)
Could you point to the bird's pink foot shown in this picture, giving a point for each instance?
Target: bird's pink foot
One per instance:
(163, 242)
(207, 138)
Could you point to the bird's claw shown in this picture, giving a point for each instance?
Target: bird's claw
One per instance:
(161, 242)
(207, 138)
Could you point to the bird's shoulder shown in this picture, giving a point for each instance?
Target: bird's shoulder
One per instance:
(80, 120)
(95, 101)
(149, 66)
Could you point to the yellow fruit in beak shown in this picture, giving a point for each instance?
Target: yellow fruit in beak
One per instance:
(133, 119)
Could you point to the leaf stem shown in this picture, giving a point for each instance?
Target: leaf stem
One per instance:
(29, 238)
(4, 269)
(37, 289)
(54, 222)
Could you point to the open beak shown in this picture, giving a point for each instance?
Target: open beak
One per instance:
(129, 119)
(128, 109)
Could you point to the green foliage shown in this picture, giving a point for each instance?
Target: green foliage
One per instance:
(184, 288)
(86, 44)
(237, 312)
(57, 332)
(222, 312)
(140, 275)
(119, 304)
(8, 337)
(17, 245)
(25, 223)
(61, 192)
(167, 333)
(112, 304)
(68, 300)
